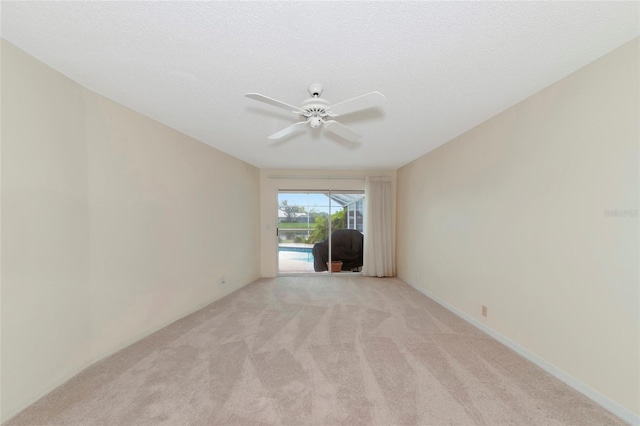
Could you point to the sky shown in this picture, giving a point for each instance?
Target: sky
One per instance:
(318, 201)
(310, 201)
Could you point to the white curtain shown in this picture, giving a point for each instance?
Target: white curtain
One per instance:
(379, 227)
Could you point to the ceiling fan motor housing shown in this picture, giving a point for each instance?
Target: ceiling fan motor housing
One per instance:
(315, 109)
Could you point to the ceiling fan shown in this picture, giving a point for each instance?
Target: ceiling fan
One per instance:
(317, 111)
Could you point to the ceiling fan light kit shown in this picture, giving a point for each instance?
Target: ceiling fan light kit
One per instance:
(318, 112)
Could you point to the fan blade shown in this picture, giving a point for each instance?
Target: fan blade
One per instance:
(356, 104)
(288, 130)
(341, 130)
(274, 102)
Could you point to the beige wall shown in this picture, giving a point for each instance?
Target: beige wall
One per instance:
(274, 180)
(512, 215)
(46, 323)
(112, 227)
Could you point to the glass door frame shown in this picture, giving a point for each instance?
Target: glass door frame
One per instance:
(330, 207)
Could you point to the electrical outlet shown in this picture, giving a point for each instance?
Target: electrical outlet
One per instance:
(223, 280)
(484, 311)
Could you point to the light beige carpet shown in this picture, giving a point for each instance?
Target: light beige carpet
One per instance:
(317, 351)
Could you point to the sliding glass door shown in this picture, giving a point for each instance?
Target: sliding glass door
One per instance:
(307, 220)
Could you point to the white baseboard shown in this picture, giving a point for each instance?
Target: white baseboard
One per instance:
(624, 413)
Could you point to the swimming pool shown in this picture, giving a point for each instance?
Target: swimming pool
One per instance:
(302, 249)
(301, 254)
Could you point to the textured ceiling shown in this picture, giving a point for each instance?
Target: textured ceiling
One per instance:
(444, 67)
